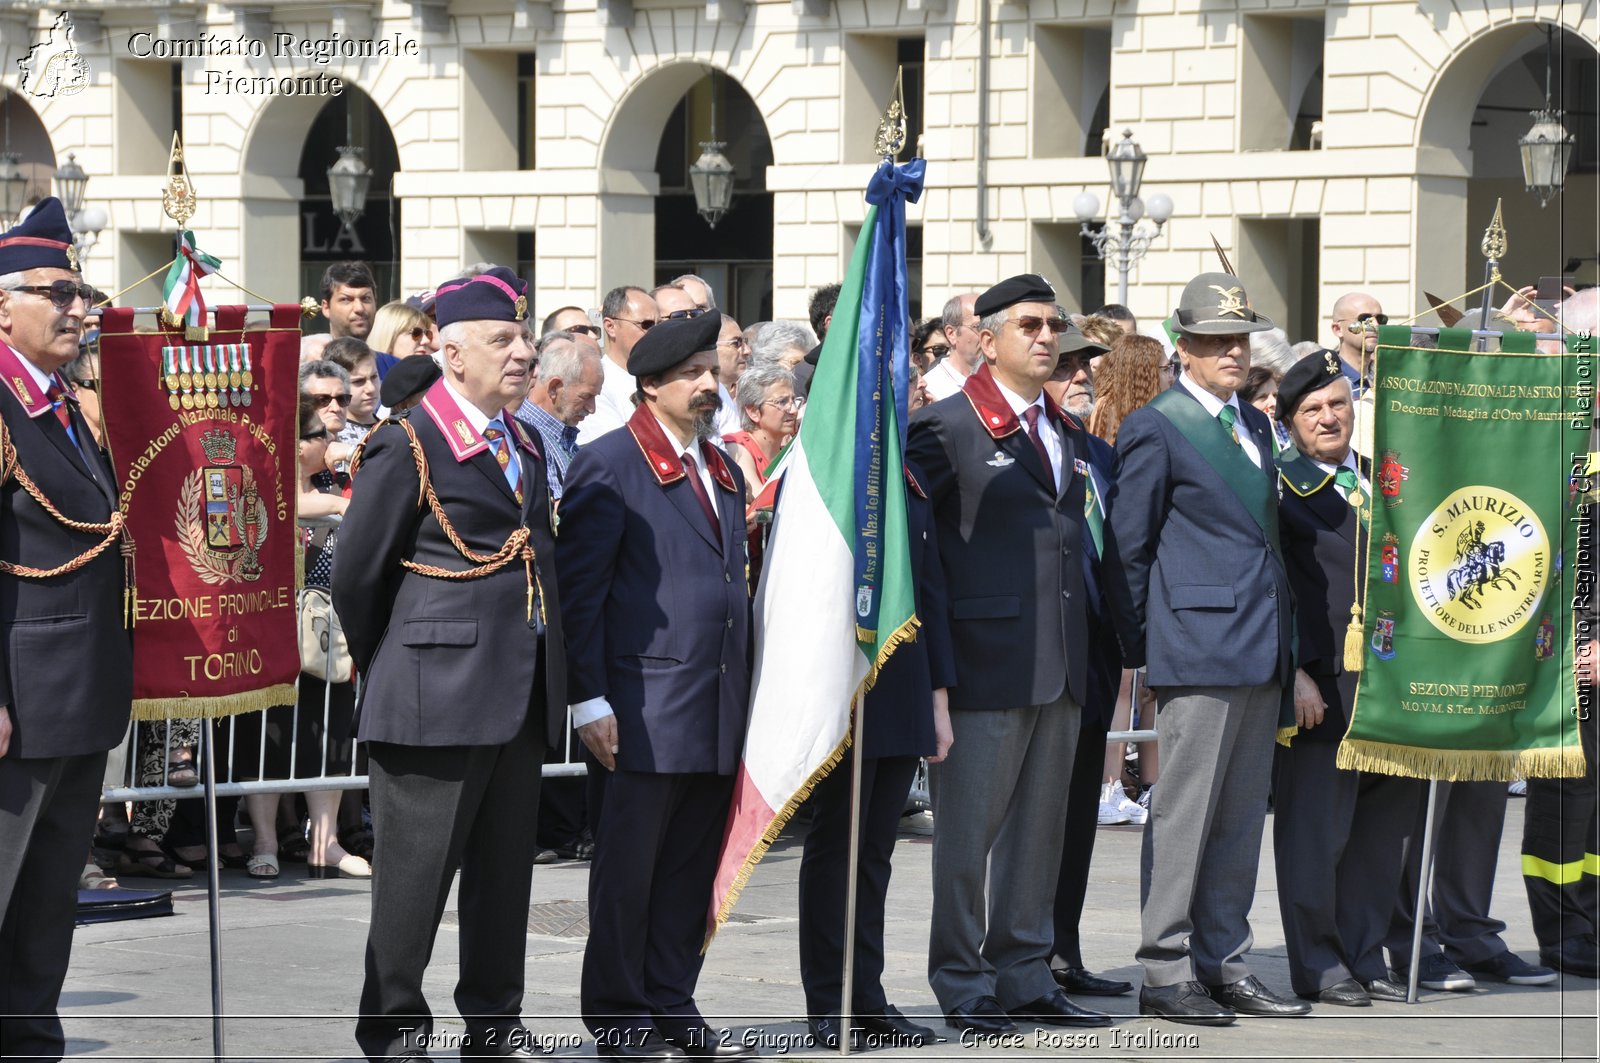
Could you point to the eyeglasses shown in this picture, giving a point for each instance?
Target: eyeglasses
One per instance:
(61, 293)
(418, 334)
(936, 350)
(1031, 325)
(736, 343)
(1382, 319)
(643, 326)
(312, 437)
(589, 330)
(793, 402)
(87, 385)
(684, 315)
(319, 401)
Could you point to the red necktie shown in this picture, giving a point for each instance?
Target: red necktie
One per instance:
(58, 400)
(1031, 415)
(692, 471)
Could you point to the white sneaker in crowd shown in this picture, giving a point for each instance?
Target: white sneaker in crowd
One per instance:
(1518, 788)
(1112, 800)
(1137, 813)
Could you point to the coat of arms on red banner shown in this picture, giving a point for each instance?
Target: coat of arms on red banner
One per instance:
(222, 520)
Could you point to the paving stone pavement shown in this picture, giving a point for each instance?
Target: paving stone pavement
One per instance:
(292, 969)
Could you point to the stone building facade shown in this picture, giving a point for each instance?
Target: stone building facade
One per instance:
(1327, 146)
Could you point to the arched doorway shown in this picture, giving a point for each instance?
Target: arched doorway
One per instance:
(1477, 109)
(735, 255)
(24, 135)
(374, 238)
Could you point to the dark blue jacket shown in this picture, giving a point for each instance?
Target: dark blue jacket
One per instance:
(1105, 653)
(658, 617)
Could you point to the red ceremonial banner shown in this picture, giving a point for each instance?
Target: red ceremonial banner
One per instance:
(203, 439)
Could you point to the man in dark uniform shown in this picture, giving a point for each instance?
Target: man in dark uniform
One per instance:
(1003, 465)
(652, 560)
(66, 667)
(1338, 836)
(1195, 522)
(465, 681)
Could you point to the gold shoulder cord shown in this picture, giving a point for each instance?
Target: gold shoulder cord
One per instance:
(113, 529)
(483, 564)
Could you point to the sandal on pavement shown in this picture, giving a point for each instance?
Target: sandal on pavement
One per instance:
(349, 866)
(181, 773)
(237, 860)
(262, 865)
(150, 863)
(293, 848)
(93, 878)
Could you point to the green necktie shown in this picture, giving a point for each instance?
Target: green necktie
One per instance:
(1227, 416)
(1093, 515)
(1346, 480)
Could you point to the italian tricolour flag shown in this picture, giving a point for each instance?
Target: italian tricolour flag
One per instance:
(836, 594)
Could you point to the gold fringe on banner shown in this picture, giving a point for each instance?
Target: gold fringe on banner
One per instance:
(904, 633)
(1461, 765)
(191, 708)
(1286, 735)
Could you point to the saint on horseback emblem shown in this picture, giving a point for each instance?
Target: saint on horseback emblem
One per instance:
(1480, 565)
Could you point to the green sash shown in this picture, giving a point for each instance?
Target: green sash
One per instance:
(1206, 434)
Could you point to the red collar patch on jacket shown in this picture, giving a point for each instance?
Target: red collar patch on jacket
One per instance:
(20, 382)
(916, 488)
(662, 453)
(999, 420)
(464, 440)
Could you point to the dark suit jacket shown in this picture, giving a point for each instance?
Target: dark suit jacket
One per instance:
(1321, 537)
(1205, 600)
(1105, 653)
(1009, 542)
(447, 662)
(67, 669)
(658, 616)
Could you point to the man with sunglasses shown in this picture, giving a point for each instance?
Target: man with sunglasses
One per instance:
(570, 319)
(628, 312)
(1356, 345)
(57, 720)
(1005, 473)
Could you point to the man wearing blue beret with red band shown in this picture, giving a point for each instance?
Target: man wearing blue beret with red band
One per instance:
(61, 589)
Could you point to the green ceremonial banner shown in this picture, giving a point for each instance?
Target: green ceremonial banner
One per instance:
(1467, 669)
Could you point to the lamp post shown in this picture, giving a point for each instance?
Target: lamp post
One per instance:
(1137, 224)
(72, 185)
(711, 176)
(1546, 148)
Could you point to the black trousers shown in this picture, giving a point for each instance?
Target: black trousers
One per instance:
(436, 810)
(1468, 821)
(1078, 832)
(649, 888)
(1561, 846)
(885, 782)
(47, 814)
(1338, 840)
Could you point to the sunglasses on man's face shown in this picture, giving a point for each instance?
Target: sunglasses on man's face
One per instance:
(588, 330)
(61, 293)
(684, 315)
(935, 351)
(315, 437)
(1031, 325)
(1382, 319)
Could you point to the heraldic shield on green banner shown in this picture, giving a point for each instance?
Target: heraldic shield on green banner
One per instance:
(1468, 626)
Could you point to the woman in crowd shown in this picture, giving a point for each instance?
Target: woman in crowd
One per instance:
(400, 331)
(770, 413)
(928, 344)
(1131, 374)
(321, 721)
(1261, 391)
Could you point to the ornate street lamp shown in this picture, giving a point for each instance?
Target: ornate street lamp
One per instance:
(711, 176)
(71, 184)
(1547, 147)
(348, 180)
(1134, 229)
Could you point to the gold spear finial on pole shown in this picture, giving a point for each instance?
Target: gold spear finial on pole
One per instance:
(1494, 243)
(178, 200)
(891, 139)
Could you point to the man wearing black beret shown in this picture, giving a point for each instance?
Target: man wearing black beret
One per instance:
(1337, 835)
(465, 682)
(652, 560)
(407, 382)
(1006, 476)
(62, 607)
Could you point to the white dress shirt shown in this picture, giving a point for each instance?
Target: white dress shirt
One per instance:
(1047, 432)
(479, 421)
(944, 380)
(585, 712)
(1214, 406)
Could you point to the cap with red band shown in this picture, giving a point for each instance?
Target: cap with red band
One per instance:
(42, 240)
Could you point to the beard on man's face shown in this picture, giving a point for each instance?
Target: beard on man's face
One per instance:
(705, 409)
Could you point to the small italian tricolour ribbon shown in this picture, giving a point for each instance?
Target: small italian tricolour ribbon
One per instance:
(181, 290)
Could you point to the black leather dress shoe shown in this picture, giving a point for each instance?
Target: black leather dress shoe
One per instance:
(1345, 994)
(981, 1015)
(638, 1047)
(1575, 955)
(889, 1025)
(702, 1042)
(1054, 1009)
(1248, 996)
(825, 1033)
(1186, 1002)
(502, 1044)
(1081, 982)
(1385, 990)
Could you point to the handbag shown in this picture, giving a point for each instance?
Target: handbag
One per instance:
(324, 653)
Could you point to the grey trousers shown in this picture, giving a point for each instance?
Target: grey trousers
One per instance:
(1203, 839)
(998, 803)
